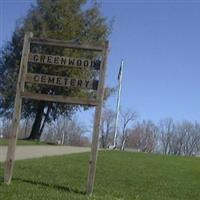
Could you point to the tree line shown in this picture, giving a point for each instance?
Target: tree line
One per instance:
(167, 136)
(64, 131)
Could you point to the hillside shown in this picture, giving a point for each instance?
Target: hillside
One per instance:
(120, 175)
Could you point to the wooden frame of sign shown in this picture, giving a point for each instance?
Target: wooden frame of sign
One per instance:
(24, 77)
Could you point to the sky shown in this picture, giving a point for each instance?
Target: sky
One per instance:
(159, 42)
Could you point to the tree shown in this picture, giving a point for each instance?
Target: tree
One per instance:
(63, 20)
(66, 131)
(107, 127)
(127, 117)
(5, 127)
(186, 139)
(143, 137)
(180, 138)
(167, 130)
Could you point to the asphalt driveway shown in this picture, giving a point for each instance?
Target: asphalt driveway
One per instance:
(26, 152)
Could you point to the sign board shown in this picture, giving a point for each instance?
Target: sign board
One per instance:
(61, 81)
(68, 62)
(90, 79)
(64, 61)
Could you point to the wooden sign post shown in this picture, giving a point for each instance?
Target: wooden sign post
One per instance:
(86, 84)
(10, 159)
(96, 128)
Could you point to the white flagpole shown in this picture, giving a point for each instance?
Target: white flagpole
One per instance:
(118, 102)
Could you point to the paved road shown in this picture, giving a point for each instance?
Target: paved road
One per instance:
(25, 152)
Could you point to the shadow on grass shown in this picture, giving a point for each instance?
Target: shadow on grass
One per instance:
(58, 187)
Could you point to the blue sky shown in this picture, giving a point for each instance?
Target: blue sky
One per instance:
(160, 44)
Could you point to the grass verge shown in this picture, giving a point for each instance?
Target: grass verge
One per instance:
(120, 176)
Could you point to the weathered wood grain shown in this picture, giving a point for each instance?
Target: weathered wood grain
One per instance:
(10, 159)
(97, 123)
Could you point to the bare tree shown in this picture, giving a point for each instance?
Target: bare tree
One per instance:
(180, 138)
(66, 131)
(143, 137)
(5, 127)
(76, 133)
(166, 130)
(107, 127)
(134, 137)
(187, 139)
(127, 118)
(25, 128)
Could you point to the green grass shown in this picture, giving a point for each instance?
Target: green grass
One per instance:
(120, 176)
(4, 142)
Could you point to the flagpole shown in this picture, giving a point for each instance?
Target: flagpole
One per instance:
(118, 102)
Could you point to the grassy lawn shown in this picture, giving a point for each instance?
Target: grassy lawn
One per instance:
(120, 176)
(22, 142)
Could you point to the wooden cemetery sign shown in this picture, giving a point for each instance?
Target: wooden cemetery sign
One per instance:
(84, 81)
